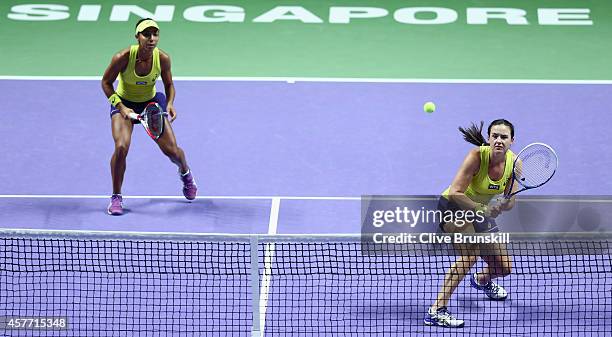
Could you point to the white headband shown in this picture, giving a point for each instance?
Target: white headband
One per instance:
(146, 24)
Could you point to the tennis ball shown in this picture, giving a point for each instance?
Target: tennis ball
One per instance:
(429, 107)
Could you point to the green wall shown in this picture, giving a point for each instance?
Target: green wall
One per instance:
(368, 48)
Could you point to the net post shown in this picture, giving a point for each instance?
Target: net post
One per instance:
(256, 328)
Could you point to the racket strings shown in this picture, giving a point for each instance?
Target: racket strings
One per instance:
(154, 119)
(539, 163)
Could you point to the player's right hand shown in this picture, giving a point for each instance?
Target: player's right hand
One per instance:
(125, 112)
(494, 210)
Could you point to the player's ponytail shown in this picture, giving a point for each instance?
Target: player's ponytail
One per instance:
(473, 134)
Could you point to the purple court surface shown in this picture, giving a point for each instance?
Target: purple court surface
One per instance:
(294, 158)
(305, 139)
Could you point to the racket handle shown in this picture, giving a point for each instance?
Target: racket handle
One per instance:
(133, 115)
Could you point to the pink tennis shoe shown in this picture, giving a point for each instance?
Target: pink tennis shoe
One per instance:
(116, 205)
(190, 189)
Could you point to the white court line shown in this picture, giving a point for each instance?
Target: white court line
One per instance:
(267, 273)
(322, 79)
(229, 197)
(82, 233)
(262, 197)
(85, 232)
(274, 212)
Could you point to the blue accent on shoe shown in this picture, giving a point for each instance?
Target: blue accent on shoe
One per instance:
(491, 289)
(443, 318)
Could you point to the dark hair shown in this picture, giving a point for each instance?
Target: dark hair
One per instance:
(473, 133)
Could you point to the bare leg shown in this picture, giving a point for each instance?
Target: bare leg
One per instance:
(122, 135)
(468, 255)
(499, 263)
(167, 143)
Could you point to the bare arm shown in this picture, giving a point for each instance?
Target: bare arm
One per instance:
(118, 64)
(166, 75)
(468, 169)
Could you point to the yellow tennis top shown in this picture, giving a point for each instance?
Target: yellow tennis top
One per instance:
(482, 188)
(136, 88)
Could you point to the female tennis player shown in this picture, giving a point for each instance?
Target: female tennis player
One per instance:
(484, 173)
(138, 67)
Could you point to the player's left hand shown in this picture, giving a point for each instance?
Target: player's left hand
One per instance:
(171, 112)
(494, 211)
(500, 206)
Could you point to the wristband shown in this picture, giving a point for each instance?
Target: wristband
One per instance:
(114, 99)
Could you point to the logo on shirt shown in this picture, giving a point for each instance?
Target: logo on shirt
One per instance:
(493, 187)
(141, 83)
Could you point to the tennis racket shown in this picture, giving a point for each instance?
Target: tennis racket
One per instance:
(152, 119)
(533, 167)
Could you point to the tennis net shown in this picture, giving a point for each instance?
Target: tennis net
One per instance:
(129, 284)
